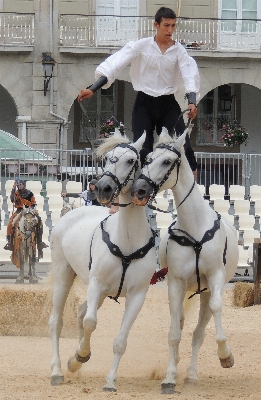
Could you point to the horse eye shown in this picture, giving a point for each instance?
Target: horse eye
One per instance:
(167, 162)
(131, 161)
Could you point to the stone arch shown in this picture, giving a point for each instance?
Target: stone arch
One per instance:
(8, 112)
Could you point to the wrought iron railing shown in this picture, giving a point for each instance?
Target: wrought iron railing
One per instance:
(16, 29)
(195, 34)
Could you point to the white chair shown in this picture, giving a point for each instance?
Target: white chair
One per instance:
(236, 192)
(74, 187)
(55, 202)
(246, 221)
(257, 206)
(53, 188)
(55, 216)
(201, 188)
(163, 220)
(34, 186)
(216, 191)
(230, 218)
(162, 203)
(243, 257)
(255, 192)
(249, 235)
(221, 206)
(39, 201)
(9, 186)
(241, 206)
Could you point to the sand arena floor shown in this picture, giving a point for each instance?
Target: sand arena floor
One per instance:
(25, 360)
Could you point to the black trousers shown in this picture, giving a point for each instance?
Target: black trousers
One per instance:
(150, 113)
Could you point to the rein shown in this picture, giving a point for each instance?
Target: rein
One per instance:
(188, 240)
(126, 260)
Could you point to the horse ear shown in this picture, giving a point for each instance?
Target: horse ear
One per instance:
(179, 143)
(139, 143)
(164, 136)
(117, 133)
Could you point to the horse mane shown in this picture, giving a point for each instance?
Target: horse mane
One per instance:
(110, 143)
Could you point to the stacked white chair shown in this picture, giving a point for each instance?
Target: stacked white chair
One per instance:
(241, 207)
(243, 258)
(216, 192)
(53, 193)
(229, 217)
(249, 235)
(236, 192)
(221, 206)
(255, 192)
(201, 188)
(162, 203)
(246, 221)
(35, 187)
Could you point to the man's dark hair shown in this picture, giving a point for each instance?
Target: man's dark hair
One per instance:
(164, 12)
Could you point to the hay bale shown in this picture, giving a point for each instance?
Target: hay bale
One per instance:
(243, 294)
(25, 311)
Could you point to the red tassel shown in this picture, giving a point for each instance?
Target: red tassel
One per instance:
(159, 276)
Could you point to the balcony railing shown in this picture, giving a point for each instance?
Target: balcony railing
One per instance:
(196, 34)
(16, 29)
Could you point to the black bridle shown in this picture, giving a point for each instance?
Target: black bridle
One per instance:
(114, 160)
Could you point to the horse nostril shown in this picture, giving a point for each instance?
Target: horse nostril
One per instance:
(107, 189)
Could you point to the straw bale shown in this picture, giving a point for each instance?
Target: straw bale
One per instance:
(243, 294)
(25, 311)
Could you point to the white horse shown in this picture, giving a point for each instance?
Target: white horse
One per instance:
(118, 249)
(200, 251)
(25, 243)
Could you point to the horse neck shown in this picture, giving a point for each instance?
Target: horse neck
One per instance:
(193, 214)
(131, 226)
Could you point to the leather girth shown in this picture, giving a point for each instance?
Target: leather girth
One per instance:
(126, 260)
(197, 245)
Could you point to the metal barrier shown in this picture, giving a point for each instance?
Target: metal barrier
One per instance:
(81, 165)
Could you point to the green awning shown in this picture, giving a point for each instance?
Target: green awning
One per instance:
(11, 148)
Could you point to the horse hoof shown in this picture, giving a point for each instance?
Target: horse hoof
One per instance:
(19, 280)
(168, 388)
(56, 379)
(191, 382)
(227, 362)
(109, 389)
(73, 365)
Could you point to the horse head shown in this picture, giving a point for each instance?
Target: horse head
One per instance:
(161, 168)
(121, 169)
(28, 220)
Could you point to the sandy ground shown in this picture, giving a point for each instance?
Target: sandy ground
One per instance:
(25, 360)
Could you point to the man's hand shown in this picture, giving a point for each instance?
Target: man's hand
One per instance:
(193, 111)
(85, 94)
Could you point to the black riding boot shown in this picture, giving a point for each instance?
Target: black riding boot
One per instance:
(9, 245)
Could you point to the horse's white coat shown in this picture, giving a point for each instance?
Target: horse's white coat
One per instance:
(70, 246)
(195, 217)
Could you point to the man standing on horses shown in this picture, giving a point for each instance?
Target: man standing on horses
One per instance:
(159, 68)
(20, 196)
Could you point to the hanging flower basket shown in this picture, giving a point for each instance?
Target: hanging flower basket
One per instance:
(108, 128)
(235, 134)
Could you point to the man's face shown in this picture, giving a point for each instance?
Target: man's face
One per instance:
(21, 186)
(166, 28)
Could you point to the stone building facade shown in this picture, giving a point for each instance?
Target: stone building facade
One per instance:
(79, 34)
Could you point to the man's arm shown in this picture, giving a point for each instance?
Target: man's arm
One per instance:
(89, 92)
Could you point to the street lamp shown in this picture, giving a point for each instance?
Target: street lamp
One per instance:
(48, 63)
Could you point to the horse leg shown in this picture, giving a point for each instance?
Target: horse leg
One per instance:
(83, 352)
(198, 336)
(216, 284)
(82, 310)
(20, 278)
(176, 294)
(63, 280)
(133, 305)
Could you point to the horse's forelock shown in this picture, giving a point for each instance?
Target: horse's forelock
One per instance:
(110, 144)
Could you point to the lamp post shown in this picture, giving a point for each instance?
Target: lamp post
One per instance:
(48, 63)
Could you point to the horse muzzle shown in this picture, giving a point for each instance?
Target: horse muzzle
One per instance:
(105, 188)
(141, 191)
